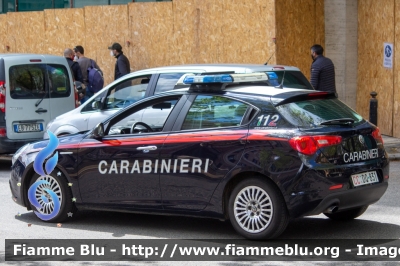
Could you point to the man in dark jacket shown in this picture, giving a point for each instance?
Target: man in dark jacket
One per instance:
(75, 68)
(122, 66)
(322, 70)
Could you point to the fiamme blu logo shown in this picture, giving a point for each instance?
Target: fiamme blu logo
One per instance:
(45, 193)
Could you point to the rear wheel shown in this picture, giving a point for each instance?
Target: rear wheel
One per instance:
(257, 209)
(347, 215)
(51, 198)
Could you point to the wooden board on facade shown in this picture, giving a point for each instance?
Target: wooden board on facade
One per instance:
(3, 32)
(25, 32)
(372, 76)
(150, 35)
(105, 25)
(178, 32)
(64, 28)
(248, 30)
(298, 27)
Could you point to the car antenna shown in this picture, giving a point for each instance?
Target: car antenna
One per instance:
(266, 63)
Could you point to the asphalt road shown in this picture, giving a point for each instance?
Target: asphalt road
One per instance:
(381, 221)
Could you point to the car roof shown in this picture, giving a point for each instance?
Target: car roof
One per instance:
(238, 68)
(27, 55)
(255, 89)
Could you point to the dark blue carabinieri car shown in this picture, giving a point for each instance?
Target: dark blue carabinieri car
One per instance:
(232, 146)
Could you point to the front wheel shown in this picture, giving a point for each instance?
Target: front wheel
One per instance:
(347, 215)
(257, 209)
(51, 198)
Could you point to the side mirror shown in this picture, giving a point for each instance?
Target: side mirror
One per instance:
(98, 131)
(95, 105)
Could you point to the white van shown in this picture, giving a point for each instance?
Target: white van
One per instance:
(34, 89)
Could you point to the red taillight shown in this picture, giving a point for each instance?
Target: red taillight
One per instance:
(310, 144)
(377, 135)
(35, 60)
(336, 187)
(314, 94)
(278, 67)
(2, 96)
(3, 132)
(317, 95)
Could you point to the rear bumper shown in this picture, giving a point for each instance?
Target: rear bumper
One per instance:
(352, 198)
(12, 145)
(311, 193)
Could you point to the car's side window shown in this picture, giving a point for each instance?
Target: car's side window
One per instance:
(149, 118)
(213, 112)
(127, 92)
(59, 81)
(167, 81)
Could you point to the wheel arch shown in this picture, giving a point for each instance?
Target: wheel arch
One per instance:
(29, 174)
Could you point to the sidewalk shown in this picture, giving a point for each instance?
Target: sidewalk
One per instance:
(392, 146)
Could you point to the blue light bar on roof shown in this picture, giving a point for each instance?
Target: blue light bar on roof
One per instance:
(224, 78)
(208, 79)
(272, 75)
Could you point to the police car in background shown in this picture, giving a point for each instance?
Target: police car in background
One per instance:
(229, 147)
(144, 83)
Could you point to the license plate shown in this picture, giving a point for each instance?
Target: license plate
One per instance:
(19, 128)
(365, 178)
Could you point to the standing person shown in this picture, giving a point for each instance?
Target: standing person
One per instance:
(322, 70)
(85, 62)
(122, 66)
(75, 69)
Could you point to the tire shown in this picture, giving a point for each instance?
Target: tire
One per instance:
(347, 215)
(58, 184)
(257, 209)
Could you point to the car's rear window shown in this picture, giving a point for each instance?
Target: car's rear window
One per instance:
(293, 79)
(34, 81)
(311, 113)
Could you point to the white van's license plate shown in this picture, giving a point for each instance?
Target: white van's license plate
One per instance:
(365, 178)
(28, 128)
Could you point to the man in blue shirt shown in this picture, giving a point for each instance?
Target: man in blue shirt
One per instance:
(322, 70)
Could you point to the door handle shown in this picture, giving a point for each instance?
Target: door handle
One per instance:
(40, 110)
(147, 148)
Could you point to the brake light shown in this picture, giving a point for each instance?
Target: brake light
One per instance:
(2, 96)
(3, 132)
(317, 95)
(308, 145)
(336, 187)
(77, 103)
(278, 67)
(376, 134)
